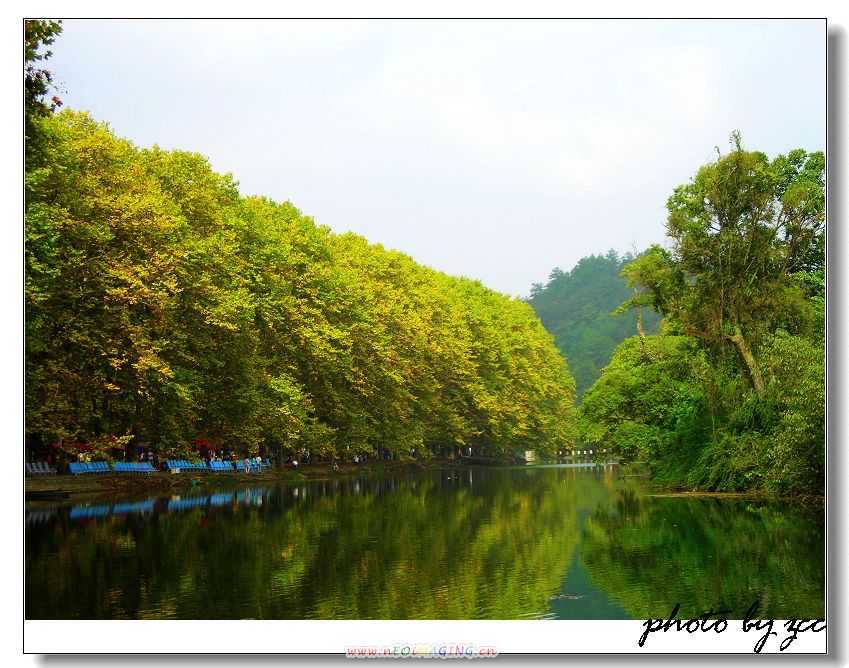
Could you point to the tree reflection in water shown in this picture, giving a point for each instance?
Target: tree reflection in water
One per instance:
(459, 544)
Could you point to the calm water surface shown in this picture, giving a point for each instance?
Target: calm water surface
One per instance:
(518, 543)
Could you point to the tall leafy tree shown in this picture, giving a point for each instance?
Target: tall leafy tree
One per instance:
(739, 230)
(38, 81)
(742, 288)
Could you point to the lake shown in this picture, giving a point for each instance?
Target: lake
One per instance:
(536, 542)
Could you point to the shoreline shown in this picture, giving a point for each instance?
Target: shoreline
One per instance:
(100, 486)
(68, 487)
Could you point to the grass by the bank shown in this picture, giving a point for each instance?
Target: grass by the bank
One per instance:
(660, 489)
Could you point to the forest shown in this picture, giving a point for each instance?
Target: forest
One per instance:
(164, 309)
(581, 310)
(730, 394)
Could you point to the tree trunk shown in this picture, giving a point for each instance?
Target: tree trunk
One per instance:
(642, 333)
(749, 359)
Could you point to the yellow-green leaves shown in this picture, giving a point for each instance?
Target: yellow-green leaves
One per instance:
(161, 303)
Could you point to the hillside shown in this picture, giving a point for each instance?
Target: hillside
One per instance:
(577, 306)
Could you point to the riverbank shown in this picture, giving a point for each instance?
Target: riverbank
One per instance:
(121, 485)
(640, 471)
(108, 485)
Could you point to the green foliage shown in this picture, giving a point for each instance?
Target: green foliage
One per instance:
(161, 303)
(578, 306)
(740, 229)
(636, 405)
(38, 81)
(741, 404)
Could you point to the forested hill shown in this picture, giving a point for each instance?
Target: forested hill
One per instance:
(164, 308)
(577, 306)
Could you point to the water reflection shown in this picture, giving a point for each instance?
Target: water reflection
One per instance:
(707, 553)
(41, 516)
(525, 543)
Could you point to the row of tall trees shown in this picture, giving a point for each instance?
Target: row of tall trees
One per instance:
(163, 307)
(731, 393)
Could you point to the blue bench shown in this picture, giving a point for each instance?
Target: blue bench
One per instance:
(133, 467)
(86, 468)
(185, 465)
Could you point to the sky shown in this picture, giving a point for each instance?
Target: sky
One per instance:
(496, 150)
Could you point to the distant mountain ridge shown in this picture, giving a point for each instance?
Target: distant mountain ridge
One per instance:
(577, 306)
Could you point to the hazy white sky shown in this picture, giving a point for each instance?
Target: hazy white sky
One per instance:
(490, 149)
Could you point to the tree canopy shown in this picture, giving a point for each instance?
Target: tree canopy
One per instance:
(578, 308)
(163, 306)
(738, 368)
